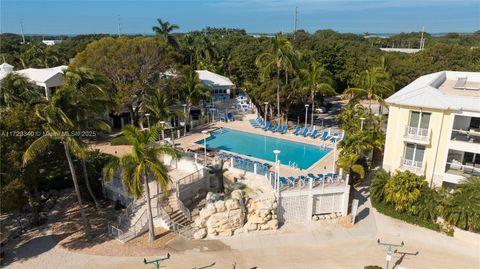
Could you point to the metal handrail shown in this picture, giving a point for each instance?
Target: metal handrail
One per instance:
(186, 212)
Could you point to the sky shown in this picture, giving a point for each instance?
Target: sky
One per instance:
(255, 16)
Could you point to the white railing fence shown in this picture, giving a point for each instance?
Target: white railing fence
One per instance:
(412, 165)
(416, 132)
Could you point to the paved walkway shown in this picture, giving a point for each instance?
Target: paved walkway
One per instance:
(311, 245)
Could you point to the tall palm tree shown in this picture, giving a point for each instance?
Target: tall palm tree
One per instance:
(205, 49)
(164, 30)
(373, 84)
(16, 88)
(158, 105)
(88, 98)
(60, 128)
(140, 163)
(192, 89)
(278, 57)
(317, 80)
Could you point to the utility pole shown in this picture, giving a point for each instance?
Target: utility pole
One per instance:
(295, 21)
(388, 247)
(23, 34)
(119, 26)
(422, 41)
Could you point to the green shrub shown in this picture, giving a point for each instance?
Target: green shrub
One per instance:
(403, 190)
(372, 267)
(428, 205)
(12, 196)
(119, 140)
(462, 208)
(377, 183)
(389, 210)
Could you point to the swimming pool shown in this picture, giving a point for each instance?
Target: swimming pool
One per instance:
(261, 147)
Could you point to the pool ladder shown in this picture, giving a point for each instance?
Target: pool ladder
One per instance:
(292, 164)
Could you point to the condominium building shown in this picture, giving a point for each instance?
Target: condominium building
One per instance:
(434, 127)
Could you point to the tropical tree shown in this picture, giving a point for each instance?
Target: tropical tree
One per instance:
(191, 88)
(205, 51)
(59, 128)
(17, 89)
(278, 57)
(403, 190)
(158, 105)
(373, 84)
(140, 163)
(164, 30)
(87, 98)
(377, 184)
(317, 80)
(462, 208)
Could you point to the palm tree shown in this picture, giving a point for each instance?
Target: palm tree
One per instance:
(278, 58)
(164, 29)
(88, 99)
(17, 89)
(60, 128)
(140, 163)
(462, 208)
(158, 105)
(192, 89)
(317, 80)
(205, 49)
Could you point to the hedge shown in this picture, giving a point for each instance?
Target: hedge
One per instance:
(389, 210)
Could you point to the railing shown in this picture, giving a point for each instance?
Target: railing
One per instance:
(186, 212)
(461, 169)
(411, 165)
(195, 176)
(466, 136)
(249, 166)
(130, 209)
(416, 133)
(184, 230)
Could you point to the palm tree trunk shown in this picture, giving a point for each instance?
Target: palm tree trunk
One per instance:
(151, 231)
(86, 225)
(278, 92)
(313, 105)
(87, 183)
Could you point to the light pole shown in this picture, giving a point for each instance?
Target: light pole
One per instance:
(306, 115)
(162, 123)
(361, 123)
(185, 119)
(388, 247)
(148, 119)
(277, 169)
(334, 154)
(266, 104)
(205, 132)
(213, 114)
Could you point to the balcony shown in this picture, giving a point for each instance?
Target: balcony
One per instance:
(417, 135)
(470, 136)
(412, 166)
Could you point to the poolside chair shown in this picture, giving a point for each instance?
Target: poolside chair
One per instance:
(275, 128)
(302, 180)
(311, 176)
(222, 117)
(283, 129)
(305, 131)
(334, 137)
(325, 135)
(284, 181)
(230, 116)
(267, 126)
(314, 133)
(297, 130)
(292, 180)
(320, 177)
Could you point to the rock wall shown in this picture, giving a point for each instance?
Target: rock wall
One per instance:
(238, 214)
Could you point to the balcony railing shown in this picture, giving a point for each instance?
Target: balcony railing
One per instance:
(458, 168)
(419, 134)
(470, 136)
(412, 166)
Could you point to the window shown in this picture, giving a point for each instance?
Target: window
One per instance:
(414, 153)
(419, 119)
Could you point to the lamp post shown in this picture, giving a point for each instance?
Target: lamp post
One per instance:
(148, 119)
(389, 250)
(185, 119)
(162, 123)
(334, 155)
(361, 123)
(306, 115)
(213, 114)
(266, 104)
(205, 132)
(277, 169)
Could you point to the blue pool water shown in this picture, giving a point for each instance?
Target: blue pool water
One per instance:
(261, 147)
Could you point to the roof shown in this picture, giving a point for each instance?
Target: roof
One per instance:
(437, 91)
(213, 80)
(42, 75)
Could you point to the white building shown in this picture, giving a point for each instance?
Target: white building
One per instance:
(51, 42)
(47, 78)
(221, 86)
(434, 127)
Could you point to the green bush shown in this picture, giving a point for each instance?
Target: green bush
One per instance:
(119, 140)
(403, 190)
(377, 183)
(12, 196)
(372, 267)
(389, 210)
(462, 208)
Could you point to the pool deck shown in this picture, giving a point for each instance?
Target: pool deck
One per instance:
(324, 165)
